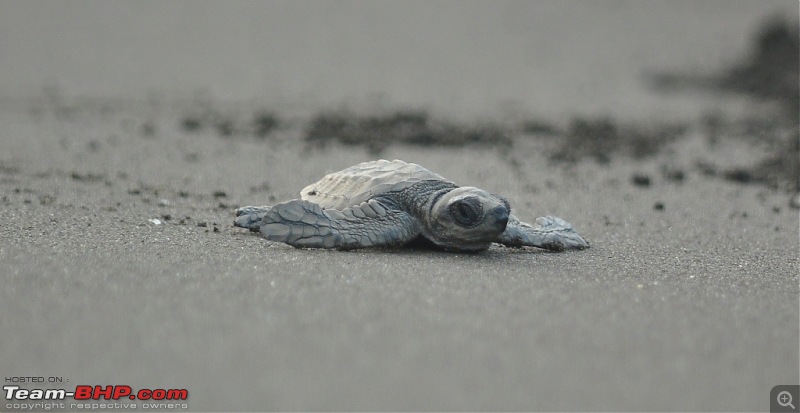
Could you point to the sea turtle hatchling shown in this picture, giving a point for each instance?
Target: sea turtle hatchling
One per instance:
(382, 203)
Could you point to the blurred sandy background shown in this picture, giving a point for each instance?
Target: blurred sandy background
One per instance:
(552, 58)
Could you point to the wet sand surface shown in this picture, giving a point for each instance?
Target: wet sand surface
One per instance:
(120, 264)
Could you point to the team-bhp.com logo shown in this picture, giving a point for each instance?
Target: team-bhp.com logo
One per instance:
(92, 393)
(95, 393)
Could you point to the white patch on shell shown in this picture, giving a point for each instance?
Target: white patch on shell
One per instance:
(360, 183)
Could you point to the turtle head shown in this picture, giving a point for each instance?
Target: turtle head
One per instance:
(466, 219)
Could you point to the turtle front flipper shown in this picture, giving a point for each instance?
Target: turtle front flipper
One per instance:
(305, 224)
(550, 233)
(250, 217)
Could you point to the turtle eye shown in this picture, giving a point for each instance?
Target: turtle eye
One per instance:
(467, 212)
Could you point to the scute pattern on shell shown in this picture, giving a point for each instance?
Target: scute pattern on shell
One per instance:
(361, 182)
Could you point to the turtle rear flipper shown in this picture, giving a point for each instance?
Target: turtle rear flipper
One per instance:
(305, 224)
(550, 233)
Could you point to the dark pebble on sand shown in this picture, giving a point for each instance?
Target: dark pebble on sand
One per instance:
(191, 124)
(47, 199)
(220, 194)
(226, 127)
(739, 175)
(264, 123)
(640, 180)
(87, 177)
(674, 175)
(658, 206)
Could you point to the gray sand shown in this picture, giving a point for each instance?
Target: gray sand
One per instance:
(689, 308)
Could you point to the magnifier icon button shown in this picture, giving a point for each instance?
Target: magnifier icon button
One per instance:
(785, 399)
